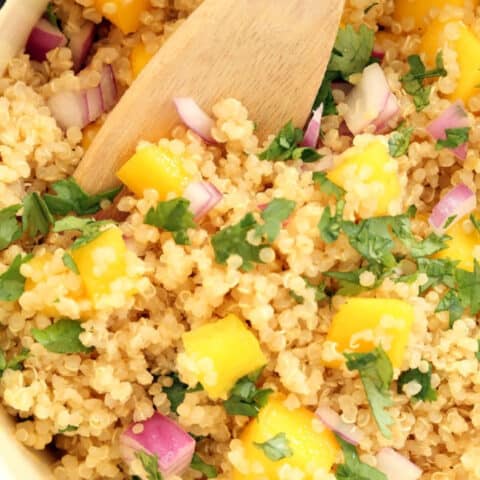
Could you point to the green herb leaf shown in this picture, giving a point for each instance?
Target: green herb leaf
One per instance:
(325, 95)
(469, 288)
(370, 7)
(284, 144)
(15, 363)
(353, 468)
(90, 229)
(150, 465)
(198, 464)
(451, 303)
(440, 271)
(427, 393)
(69, 428)
(399, 141)
(349, 282)
(72, 198)
(173, 216)
(327, 186)
(10, 230)
(36, 217)
(277, 448)
(276, 212)
(320, 290)
(330, 224)
(306, 154)
(177, 391)
(376, 373)
(455, 138)
(69, 262)
(51, 16)
(12, 282)
(62, 337)
(475, 222)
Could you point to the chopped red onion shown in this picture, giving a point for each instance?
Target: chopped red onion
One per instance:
(44, 37)
(312, 133)
(160, 436)
(108, 87)
(454, 116)
(456, 204)
(332, 420)
(17, 19)
(396, 466)
(378, 52)
(195, 118)
(203, 196)
(371, 102)
(95, 103)
(81, 43)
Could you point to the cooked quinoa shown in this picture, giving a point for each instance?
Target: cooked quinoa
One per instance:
(79, 404)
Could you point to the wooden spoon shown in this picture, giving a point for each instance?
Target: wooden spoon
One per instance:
(269, 54)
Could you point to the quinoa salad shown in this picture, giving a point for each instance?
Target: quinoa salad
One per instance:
(298, 307)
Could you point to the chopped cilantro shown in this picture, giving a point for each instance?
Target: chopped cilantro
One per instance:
(353, 468)
(150, 465)
(468, 284)
(330, 225)
(451, 303)
(276, 212)
(277, 448)
(245, 398)
(475, 222)
(51, 15)
(70, 197)
(174, 216)
(349, 282)
(440, 271)
(62, 337)
(90, 229)
(327, 186)
(399, 141)
(374, 4)
(455, 138)
(177, 391)
(10, 230)
(427, 393)
(36, 218)
(325, 95)
(376, 373)
(320, 290)
(69, 262)
(199, 465)
(69, 428)
(15, 363)
(12, 282)
(298, 298)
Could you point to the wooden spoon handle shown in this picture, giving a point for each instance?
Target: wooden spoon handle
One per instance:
(270, 54)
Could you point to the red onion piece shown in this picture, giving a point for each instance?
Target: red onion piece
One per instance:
(203, 196)
(108, 87)
(396, 466)
(378, 52)
(70, 109)
(371, 101)
(312, 133)
(163, 437)
(95, 103)
(195, 118)
(332, 420)
(81, 43)
(454, 116)
(44, 37)
(458, 202)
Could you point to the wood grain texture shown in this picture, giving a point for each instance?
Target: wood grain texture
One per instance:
(270, 54)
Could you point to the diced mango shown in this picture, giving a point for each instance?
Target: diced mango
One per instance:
(125, 14)
(229, 348)
(101, 262)
(361, 324)
(139, 57)
(373, 174)
(462, 246)
(312, 450)
(154, 167)
(467, 47)
(89, 133)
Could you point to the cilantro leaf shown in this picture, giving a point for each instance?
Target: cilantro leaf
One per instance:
(475, 222)
(353, 468)
(440, 271)
(61, 337)
(199, 465)
(174, 216)
(51, 15)
(277, 448)
(320, 290)
(15, 363)
(399, 141)
(276, 212)
(69, 262)
(177, 391)
(327, 186)
(451, 303)
(89, 228)
(72, 198)
(325, 95)
(427, 393)
(150, 465)
(455, 138)
(349, 282)
(330, 225)
(469, 288)
(36, 218)
(376, 373)
(245, 398)
(69, 428)
(12, 282)
(10, 230)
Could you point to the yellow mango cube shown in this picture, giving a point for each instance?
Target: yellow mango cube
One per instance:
(361, 324)
(125, 14)
(312, 450)
(369, 173)
(467, 46)
(154, 167)
(230, 350)
(463, 245)
(101, 262)
(139, 57)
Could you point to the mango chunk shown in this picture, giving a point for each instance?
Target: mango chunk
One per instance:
(154, 167)
(125, 14)
(467, 46)
(101, 262)
(312, 450)
(230, 351)
(462, 246)
(361, 324)
(369, 173)
(139, 57)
